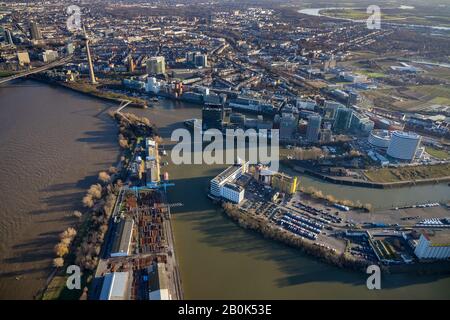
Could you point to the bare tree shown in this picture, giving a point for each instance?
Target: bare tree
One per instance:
(61, 249)
(104, 177)
(58, 262)
(77, 214)
(95, 191)
(88, 201)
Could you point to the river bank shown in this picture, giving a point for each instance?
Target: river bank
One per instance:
(54, 143)
(104, 96)
(367, 184)
(264, 226)
(217, 258)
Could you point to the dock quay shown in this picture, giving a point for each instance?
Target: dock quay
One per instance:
(138, 256)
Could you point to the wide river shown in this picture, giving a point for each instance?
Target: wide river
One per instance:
(55, 141)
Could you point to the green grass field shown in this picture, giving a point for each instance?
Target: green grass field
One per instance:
(371, 74)
(439, 154)
(5, 74)
(384, 175)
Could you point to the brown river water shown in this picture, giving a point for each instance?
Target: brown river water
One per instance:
(53, 144)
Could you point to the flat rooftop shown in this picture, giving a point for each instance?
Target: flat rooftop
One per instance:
(122, 237)
(227, 172)
(115, 286)
(438, 237)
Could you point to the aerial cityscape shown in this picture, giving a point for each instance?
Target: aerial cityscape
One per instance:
(224, 149)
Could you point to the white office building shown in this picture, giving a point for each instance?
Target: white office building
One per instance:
(435, 246)
(232, 192)
(404, 145)
(227, 176)
(380, 138)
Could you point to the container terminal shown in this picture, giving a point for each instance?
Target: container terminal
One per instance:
(137, 258)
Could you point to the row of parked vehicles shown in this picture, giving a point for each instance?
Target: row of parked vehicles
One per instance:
(325, 216)
(297, 229)
(315, 225)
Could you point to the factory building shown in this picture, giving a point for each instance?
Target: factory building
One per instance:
(158, 287)
(116, 286)
(404, 145)
(277, 180)
(284, 183)
(123, 234)
(436, 246)
(152, 161)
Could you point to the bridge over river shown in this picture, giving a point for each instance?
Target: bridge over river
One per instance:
(48, 66)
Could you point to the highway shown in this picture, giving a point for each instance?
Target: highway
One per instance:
(51, 65)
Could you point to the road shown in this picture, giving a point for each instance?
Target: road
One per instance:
(51, 65)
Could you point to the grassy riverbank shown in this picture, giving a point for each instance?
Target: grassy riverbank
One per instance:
(414, 173)
(271, 231)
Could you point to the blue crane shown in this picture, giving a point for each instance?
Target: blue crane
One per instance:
(153, 185)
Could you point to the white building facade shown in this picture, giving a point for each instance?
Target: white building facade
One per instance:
(403, 145)
(227, 176)
(232, 192)
(432, 248)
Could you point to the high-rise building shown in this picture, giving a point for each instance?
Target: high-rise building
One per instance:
(313, 128)
(331, 108)
(361, 124)
(201, 60)
(35, 31)
(8, 37)
(288, 125)
(404, 145)
(342, 120)
(156, 65)
(212, 117)
(190, 56)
